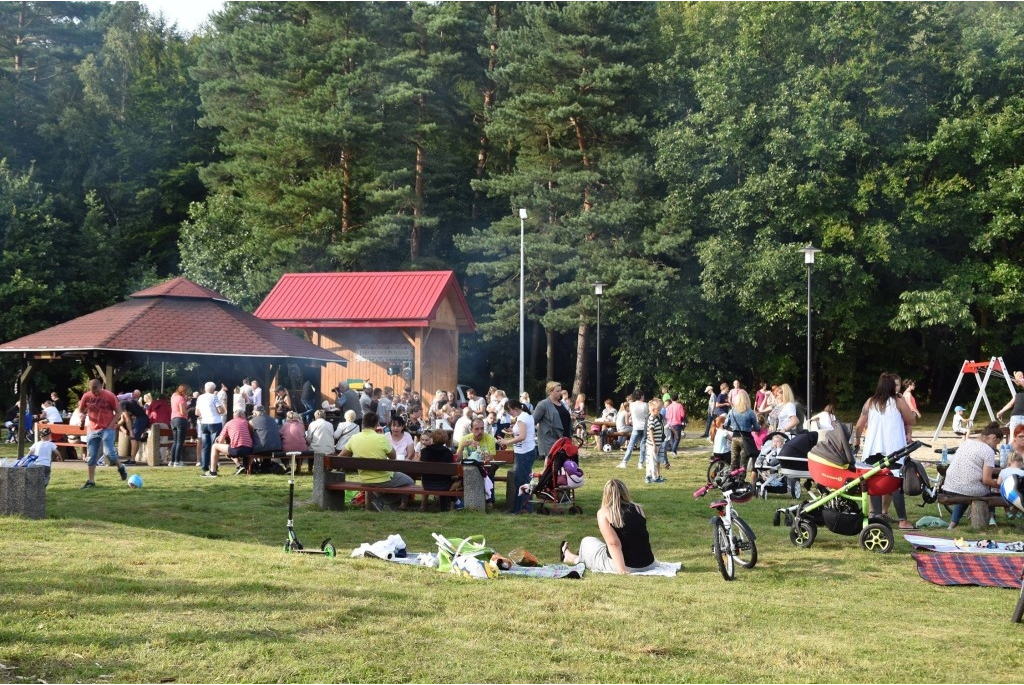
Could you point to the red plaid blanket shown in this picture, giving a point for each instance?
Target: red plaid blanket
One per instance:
(944, 568)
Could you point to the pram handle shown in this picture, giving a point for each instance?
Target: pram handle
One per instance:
(890, 459)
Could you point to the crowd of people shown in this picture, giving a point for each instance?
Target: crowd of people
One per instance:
(234, 424)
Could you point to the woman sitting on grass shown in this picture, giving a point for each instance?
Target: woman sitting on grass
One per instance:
(626, 547)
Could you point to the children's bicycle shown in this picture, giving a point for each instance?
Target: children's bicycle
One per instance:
(732, 539)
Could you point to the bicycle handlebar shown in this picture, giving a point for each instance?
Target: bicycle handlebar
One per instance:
(702, 491)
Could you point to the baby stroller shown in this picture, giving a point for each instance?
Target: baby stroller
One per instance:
(767, 478)
(556, 484)
(844, 486)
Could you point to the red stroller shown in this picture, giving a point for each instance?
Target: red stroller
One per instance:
(556, 485)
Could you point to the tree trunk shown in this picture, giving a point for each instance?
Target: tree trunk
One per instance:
(534, 351)
(485, 115)
(417, 212)
(582, 334)
(346, 192)
(549, 335)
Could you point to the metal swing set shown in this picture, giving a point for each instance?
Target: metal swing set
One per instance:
(982, 372)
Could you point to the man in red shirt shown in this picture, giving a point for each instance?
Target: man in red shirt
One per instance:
(101, 407)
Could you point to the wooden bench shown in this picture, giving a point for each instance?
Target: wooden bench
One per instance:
(295, 458)
(59, 434)
(980, 506)
(334, 482)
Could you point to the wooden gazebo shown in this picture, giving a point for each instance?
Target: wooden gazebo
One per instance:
(395, 328)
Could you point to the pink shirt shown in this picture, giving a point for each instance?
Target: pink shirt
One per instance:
(238, 433)
(674, 413)
(293, 437)
(179, 406)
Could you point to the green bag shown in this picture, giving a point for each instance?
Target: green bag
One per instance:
(448, 548)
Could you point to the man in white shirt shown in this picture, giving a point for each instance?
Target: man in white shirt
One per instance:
(638, 413)
(246, 392)
(463, 426)
(210, 415)
(476, 404)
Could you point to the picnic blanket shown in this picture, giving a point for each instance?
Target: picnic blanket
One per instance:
(951, 568)
(959, 545)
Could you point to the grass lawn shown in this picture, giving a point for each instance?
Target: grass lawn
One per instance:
(185, 581)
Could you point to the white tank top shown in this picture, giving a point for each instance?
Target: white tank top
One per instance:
(885, 433)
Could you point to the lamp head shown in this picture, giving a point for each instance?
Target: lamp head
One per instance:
(522, 213)
(599, 289)
(809, 252)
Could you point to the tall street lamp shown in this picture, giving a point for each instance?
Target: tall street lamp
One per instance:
(809, 252)
(522, 306)
(598, 291)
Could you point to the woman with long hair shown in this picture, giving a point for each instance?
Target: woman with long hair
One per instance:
(626, 545)
(885, 422)
(787, 418)
(742, 421)
(179, 423)
(524, 444)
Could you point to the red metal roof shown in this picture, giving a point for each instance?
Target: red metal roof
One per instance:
(366, 299)
(183, 323)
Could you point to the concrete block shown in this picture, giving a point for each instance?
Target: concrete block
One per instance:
(23, 492)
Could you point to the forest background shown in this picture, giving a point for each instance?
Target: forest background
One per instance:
(680, 153)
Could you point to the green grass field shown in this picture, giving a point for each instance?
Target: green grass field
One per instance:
(185, 581)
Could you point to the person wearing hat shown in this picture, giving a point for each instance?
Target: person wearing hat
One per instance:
(711, 410)
(43, 450)
(961, 426)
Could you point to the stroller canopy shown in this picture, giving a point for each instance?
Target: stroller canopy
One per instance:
(834, 446)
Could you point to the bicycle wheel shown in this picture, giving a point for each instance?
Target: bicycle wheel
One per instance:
(1018, 611)
(744, 547)
(720, 547)
(714, 468)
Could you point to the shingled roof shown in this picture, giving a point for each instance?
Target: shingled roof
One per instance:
(364, 299)
(177, 317)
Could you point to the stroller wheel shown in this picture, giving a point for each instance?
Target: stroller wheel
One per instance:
(877, 537)
(803, 533)
(777, 518)
(575, 510)
(544, 511)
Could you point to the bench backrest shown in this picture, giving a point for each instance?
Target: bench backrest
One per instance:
(58, 431)
(410, 468)
(505, 456)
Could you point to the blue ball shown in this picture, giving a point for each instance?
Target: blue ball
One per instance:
(135, 481)
(1010, 491)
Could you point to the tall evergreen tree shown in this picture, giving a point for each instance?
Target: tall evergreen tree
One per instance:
(573, 115)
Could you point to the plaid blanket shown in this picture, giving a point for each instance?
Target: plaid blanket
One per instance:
(948, 568)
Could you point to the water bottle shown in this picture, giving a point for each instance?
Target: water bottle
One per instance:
(1004, 454)
(945, 455)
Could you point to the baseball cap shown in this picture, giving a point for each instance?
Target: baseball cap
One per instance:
(708, 389)
(958, 408)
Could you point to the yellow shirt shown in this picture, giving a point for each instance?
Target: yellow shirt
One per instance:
(369, 444)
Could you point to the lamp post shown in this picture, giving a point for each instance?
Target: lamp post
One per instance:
(598, 291)
(522, 291)
(809, 252)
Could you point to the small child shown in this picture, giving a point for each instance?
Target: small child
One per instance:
(961, 426)
(655, 442)
(720, 439)
(43, 449)
(1014, 467)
